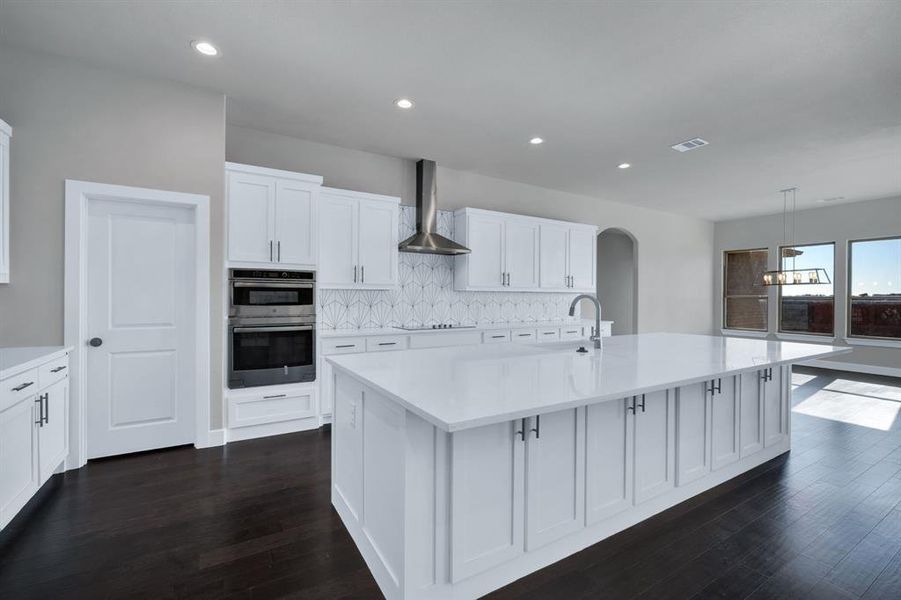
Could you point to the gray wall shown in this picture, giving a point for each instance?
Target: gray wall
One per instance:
(616, 279)
(72, 121)
(674, 249)
(859, 220)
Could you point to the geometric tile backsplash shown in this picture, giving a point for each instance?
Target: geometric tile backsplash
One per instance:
(425, 295)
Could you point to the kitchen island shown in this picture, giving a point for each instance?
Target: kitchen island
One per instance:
(459, 470)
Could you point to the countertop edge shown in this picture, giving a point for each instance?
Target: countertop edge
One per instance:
(34, 362)
(519, 414)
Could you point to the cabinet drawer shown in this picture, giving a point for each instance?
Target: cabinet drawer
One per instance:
(15, 388)
(548, 334)
(346, 345)
(51, 372)
(386, 342)
(274, 407)
(494, 336)
(571, 332)
(523, 335)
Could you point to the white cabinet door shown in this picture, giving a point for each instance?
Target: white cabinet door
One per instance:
(751, 415)
(487, 496)
(582, 242)
(18, 457)
(725, 430)
(378, 244)
(608, 459)
(295, 223)
(347, 445)
(692, 433)
(553, 251)
(53, 435)
(251, 205)
(775, 407)
(337, 241)
(654, 445)
(555, 476)
(521, 254)
(486, 261)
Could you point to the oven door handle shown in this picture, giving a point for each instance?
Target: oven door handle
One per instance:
(273, 284)
(269, 329)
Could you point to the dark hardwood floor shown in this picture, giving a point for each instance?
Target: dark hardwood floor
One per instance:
(253, 520)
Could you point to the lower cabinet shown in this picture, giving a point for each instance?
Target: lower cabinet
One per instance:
(751, 415)
(34, 433)
(610, 430)
(775, 392)
(19, 478)
(692, 432)
(655, 446)
(724, 410)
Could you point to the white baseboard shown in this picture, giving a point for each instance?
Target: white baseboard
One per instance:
(237, 434)
(854, 367)
(214, 437)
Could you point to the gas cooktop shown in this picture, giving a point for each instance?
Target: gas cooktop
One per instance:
(438, 326)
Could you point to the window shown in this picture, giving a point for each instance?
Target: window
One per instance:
(808, 308)
(744, 295)
(874, 288)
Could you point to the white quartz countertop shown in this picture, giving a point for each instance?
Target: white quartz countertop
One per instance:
(336, 333)
(469, 386)
(15, 360)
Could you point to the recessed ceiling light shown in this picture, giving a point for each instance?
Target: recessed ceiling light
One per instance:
(404, 103)
(623, 165)
(205, 48)
(536, 140)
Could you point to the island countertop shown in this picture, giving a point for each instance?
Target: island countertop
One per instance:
(469, 386)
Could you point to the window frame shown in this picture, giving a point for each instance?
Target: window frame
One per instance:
(849, 276)
(779, 293)
(724, 296)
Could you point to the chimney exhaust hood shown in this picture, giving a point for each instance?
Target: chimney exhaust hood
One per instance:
(426, 239)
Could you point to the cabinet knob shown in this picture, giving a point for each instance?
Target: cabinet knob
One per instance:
(96, 342)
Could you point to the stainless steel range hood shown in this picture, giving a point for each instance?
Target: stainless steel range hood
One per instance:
(426, 239)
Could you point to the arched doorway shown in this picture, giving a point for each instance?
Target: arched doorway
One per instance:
(617, 279)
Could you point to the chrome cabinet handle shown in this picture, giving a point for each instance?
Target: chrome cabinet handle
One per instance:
(497, 337)
(355, 273)
(58, 369)
(524, 334)
(278, 248)
(40, 403)
(362, 273)
(632, 407)
(19, 388)
(642, 403)
(387, 343)
(274, 396)
(270, 250)
(346, 346)
(46, 408)
(537, 429)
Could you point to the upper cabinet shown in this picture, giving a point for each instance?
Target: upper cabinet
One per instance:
(568, 253)
(518, 253)
(6, 133)
(358, 242)
(272, 216)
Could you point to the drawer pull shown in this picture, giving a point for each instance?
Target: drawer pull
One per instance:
(497, 337)
(387, 343)
(58, 369)
(524, 334)
(274, 396)
(346, 346)
(572, 331)
(19, 388)
(548, 333)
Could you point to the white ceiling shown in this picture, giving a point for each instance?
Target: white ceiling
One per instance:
(803, 94)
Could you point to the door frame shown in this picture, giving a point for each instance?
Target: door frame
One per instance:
(77, 196)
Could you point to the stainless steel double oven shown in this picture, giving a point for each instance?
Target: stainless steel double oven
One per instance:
(271, 327)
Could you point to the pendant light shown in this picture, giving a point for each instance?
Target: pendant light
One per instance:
(793, 276)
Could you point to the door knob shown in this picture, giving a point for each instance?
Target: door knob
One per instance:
(95, 342)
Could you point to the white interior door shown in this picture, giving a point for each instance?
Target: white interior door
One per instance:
(140, 319)
(378, 243)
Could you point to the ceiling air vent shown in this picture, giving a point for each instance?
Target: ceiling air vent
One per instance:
(690, 145)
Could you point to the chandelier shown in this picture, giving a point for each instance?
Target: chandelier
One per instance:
(793, 276)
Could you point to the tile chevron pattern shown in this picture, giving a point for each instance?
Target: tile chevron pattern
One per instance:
(425, 295)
